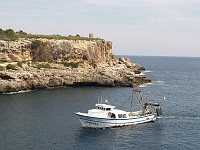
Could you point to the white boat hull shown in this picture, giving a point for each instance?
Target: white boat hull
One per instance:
(96, 122)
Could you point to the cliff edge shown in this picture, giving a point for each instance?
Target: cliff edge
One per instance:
(42, 63)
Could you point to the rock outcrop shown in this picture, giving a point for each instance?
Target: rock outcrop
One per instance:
(97, 66)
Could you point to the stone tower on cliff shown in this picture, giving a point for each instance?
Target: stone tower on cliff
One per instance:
(91, 35)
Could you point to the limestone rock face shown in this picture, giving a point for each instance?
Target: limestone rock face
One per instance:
(125, 61)
(11, 51)
(97, 66)
(93, 51)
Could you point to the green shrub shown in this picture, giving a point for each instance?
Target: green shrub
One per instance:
(71, 64)
(2, 68)
(36, 44)
(19, 64)
(44, 65)
(10, 66)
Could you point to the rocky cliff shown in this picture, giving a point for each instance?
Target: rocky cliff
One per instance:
(95, 65)
(93, 51)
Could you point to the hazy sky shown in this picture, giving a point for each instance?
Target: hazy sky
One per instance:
(136, 27)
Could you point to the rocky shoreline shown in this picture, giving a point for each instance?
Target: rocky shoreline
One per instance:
(32, 78)
(97, 67)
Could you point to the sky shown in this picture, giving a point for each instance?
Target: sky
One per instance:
(136, 27)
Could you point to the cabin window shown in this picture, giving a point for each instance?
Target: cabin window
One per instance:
(101, 108)
(107, 109)
(113, 115)
(121, 115)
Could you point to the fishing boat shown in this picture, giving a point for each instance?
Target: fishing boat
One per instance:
(106, 115)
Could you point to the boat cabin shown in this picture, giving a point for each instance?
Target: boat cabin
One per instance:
(104, 107)
(107, 111)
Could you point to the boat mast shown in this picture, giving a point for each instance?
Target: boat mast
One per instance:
(134, 89)
(131, 103)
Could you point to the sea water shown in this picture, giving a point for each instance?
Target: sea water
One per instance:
(45, 119)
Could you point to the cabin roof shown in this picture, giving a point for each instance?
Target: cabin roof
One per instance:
(117, 111)
(105, 106)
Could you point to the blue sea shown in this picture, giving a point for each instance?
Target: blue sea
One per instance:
(45, 119)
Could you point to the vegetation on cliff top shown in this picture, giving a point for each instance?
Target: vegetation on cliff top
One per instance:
(11, 35)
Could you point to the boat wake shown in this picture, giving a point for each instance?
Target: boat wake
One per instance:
(181, 117)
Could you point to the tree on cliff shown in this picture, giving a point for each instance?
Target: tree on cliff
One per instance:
(2, 34)
(40, 51)
(21, 32)
(8, 35)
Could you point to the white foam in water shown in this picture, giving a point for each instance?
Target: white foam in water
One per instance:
(159, 117)
(147, 71)
(141, 74)
(22, 91)
(169, 117)
(145, 85)
(159, 81)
